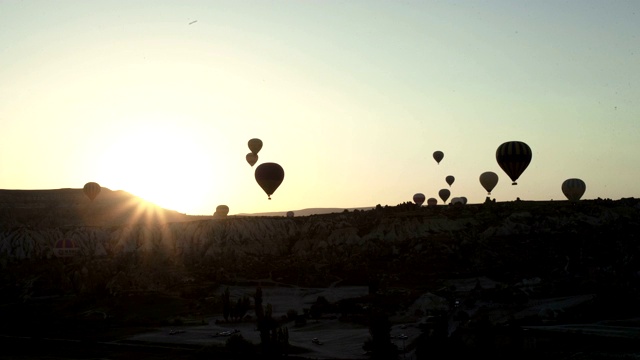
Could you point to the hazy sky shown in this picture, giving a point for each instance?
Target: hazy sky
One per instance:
(351, 98)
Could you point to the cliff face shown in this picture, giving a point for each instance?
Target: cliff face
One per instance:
(511, 241)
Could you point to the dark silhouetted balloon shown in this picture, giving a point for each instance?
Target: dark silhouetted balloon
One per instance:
(290, 214)
(222, 210)
(269, 176)
(450, 179)
(418, 198)
(438, 155)
(91, 190)
(457, 200)
(65, 248)
(488, 180)
(444, 195)
(432, 201)
(573, 189)
(252, 158)
(513, 157)
(255, 145)
(464, 200)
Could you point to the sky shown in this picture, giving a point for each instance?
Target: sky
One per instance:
(160, 98)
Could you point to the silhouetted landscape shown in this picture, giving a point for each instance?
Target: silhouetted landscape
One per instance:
(517, 279)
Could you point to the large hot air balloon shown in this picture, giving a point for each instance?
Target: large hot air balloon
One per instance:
(269, 176)
(252, 158)
(222, 210)
(432, 201)
(573, 189)
(91, 190)
(513, 157)
(438, 155)
(418, 198)
(450, 179)
(488, 180)
(444, 195)
(255, 145)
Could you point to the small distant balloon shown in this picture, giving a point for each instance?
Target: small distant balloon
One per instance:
(488, 180)
(419, 198)
(573, 189)
(464, 200)
(438, 155)
(450, 179)
(513, 157)
(252, 158)
(444, 195)
(91, 190)
(290, 213)
(269, 176)
(432, 202)
(255, 145)
(457, 200)
(222, 210)
(65, 248)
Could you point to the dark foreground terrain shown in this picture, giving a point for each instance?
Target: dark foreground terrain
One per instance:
(552, 280)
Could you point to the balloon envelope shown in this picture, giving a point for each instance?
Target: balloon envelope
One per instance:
(444, 194)
(450, 179)
(91, 190)
(432, 201)
(418, 198)
(513, 157)
(269, 176)
(438, 155)
(488, 180)
(255, 145)
(222, 210)
(65, 248)
(573, 189)
(290, 214)
(252, 158)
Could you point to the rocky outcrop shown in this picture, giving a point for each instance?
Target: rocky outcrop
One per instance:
(510, 240)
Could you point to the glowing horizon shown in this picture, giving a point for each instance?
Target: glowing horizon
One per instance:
(351, 99)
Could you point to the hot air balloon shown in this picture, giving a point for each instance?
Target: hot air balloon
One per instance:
(91, 190)
(418, 198)
(513, 157)
(444, 195)
(252, 158)
(255, 145)
(573, 189)
(450, 179)
(432, 201)
(65, 248)
(457, 200)
(222, 210)
(290, 214)
(438, 155)
(269, 176)
(488, 180)
(464, 200)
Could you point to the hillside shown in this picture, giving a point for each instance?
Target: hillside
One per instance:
(529, 250)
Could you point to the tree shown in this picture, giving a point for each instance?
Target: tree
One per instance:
(379, 344)
(226, 304)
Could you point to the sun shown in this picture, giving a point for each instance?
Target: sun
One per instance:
(163, 164)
